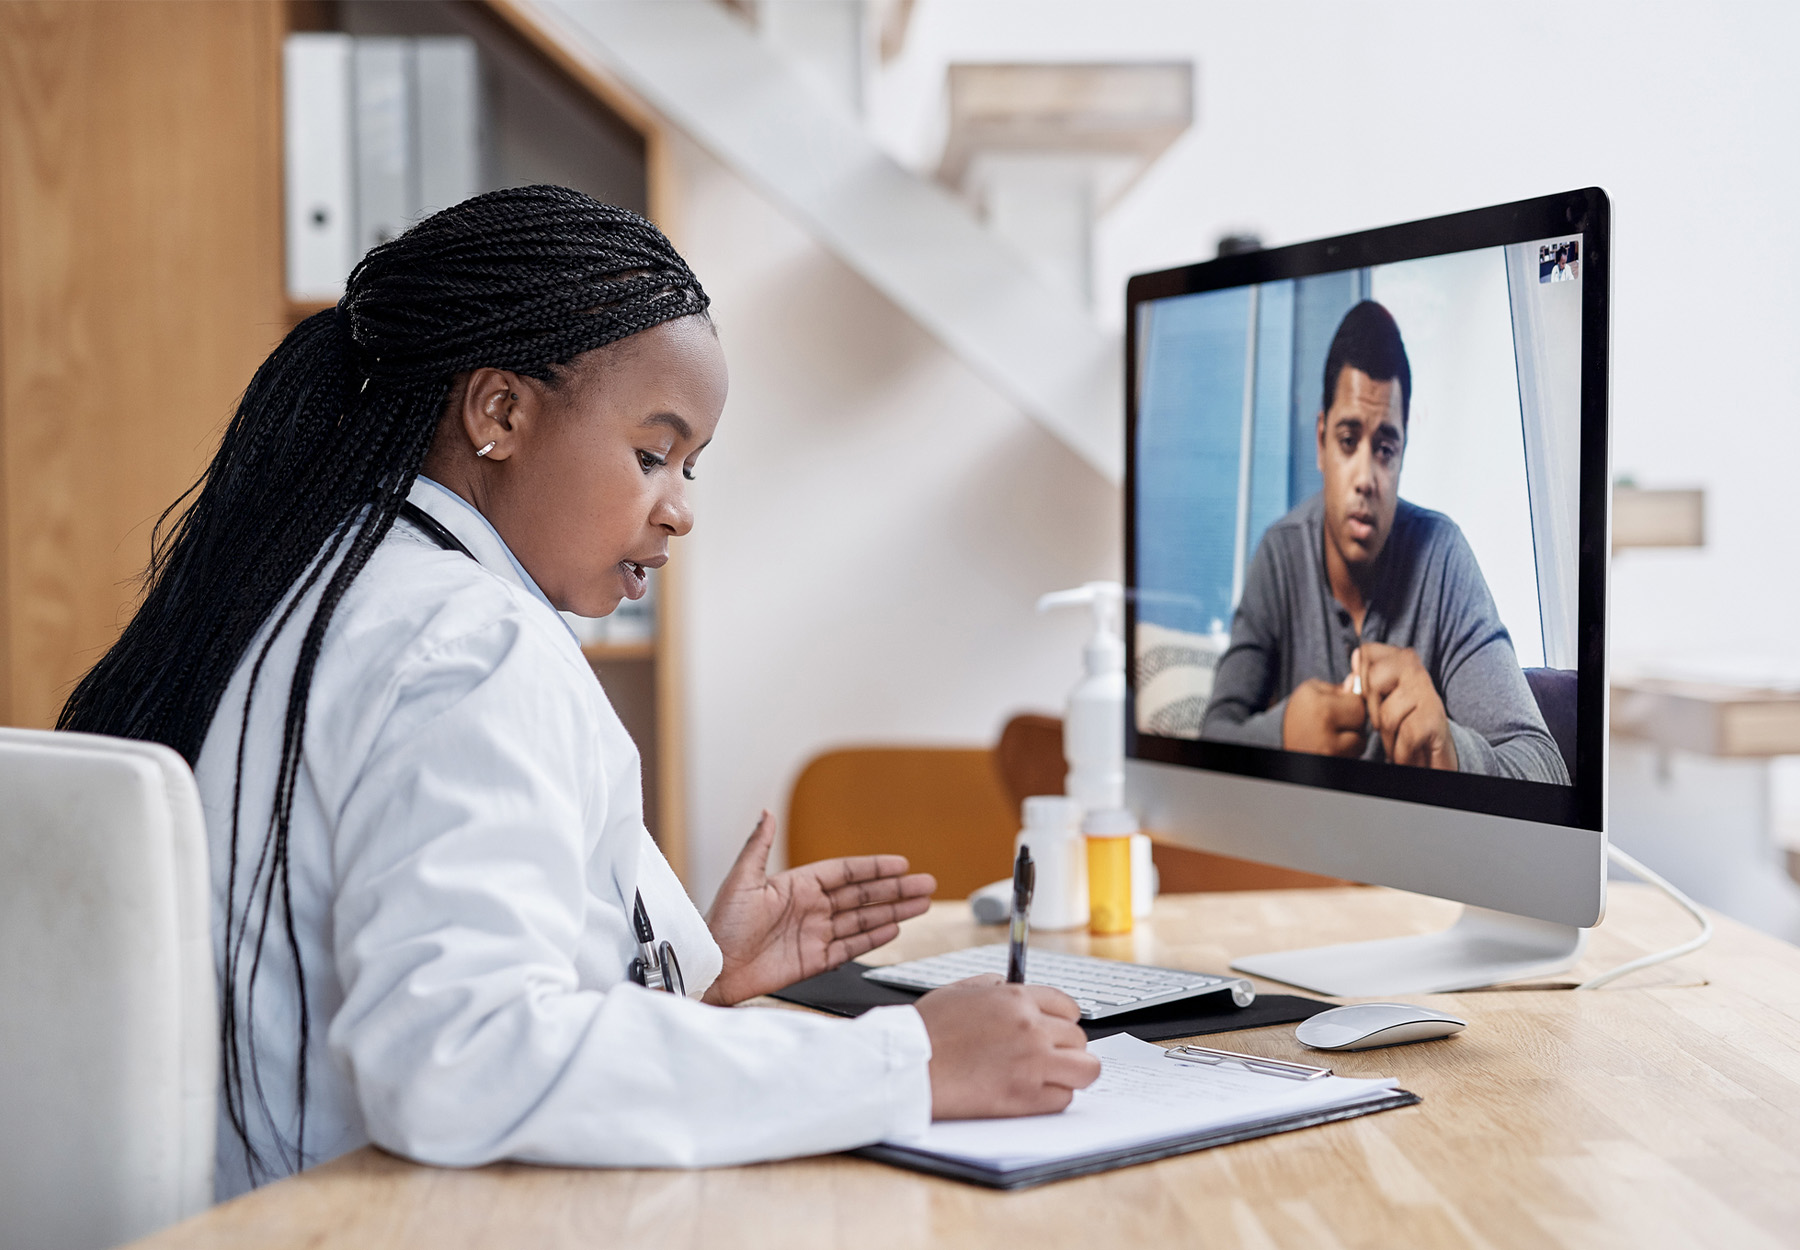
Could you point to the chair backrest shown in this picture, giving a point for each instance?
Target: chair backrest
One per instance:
(942, 807)
(1030, 759)
(1554, 690)
(108, 1008)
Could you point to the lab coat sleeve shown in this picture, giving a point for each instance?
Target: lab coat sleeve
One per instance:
(459, 857)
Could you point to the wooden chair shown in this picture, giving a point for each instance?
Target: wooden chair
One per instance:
(944, 808)
(953, 812)
(1030, 760)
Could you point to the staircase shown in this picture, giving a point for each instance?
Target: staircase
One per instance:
(706, 71)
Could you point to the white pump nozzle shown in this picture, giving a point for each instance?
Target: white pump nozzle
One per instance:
(1106, 649)
(1106, 598)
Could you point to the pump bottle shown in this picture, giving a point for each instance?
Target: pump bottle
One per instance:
(1094, 725)
(1122, 881)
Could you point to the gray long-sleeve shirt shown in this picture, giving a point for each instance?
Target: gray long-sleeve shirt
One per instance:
(1429, 596)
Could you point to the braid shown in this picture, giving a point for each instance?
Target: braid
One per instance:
(309, 476)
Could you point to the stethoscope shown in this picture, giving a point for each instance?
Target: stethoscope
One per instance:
(655, 967)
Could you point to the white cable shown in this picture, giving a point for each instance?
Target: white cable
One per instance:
(1674, 952)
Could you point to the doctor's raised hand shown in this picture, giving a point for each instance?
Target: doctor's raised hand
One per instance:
(774, 931)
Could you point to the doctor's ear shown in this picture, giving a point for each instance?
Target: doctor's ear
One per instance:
(496, 406)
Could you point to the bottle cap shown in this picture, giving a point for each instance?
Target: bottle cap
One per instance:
(1109, 822)
(1052, 811)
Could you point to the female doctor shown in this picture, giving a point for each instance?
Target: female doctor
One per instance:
(439, 922)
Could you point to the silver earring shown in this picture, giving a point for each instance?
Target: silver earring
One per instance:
(485, 450)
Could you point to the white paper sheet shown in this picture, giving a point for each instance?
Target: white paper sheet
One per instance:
(1141, 1097)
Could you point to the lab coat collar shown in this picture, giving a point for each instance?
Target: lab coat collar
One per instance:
(473, 530)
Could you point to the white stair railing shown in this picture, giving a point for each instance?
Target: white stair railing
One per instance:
(708, 74)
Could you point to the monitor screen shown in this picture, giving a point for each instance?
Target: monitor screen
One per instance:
(1365, 550)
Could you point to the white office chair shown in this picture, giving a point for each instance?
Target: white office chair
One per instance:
(108, 1010)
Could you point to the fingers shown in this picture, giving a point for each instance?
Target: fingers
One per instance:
(1335, 706)
(1387, 671)
(1396, 711)
(1071, 1069)
(1389, 711)
(860, 919)
(1053, 1002)
(1385, 668)
(1422, 737)
(752, 864)
(834, 874)
(1343, 710)
(847, 948)
(917, 885)
(1371, 652)
(1064, 1033)
(1411, 745)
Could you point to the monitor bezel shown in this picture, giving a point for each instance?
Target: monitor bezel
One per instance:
(1580, 805)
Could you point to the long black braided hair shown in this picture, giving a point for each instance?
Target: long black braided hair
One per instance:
(325, 444)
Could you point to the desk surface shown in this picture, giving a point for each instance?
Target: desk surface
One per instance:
(1664, 1111)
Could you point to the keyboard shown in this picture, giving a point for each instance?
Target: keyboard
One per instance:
(1100, 987)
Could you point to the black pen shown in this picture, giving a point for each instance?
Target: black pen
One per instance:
(1024, 881)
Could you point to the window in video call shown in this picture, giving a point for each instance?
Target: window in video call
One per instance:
(1357, 505)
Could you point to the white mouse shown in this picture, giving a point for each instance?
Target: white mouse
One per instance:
(1365, 1025)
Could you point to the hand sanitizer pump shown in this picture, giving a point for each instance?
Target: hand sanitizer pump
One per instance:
(1094, 725)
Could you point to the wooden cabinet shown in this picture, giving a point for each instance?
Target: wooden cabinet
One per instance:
(140, 286)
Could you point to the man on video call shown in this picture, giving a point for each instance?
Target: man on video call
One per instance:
(1366, 629)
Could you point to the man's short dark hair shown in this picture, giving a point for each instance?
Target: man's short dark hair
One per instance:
(1368, 339)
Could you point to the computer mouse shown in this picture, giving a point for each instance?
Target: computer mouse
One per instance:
(1362, 1026)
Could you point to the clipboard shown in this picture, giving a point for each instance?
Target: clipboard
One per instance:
(1142, 1109)
(1026, 1178)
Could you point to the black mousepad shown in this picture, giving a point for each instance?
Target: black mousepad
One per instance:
(844, 991)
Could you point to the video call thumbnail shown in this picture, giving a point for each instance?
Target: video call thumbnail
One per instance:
(1357, 513)
(1559, 262)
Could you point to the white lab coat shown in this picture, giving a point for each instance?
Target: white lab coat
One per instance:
(467, 837)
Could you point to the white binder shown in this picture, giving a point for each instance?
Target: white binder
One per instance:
(387, 194)
(320, 211)
(447, 95)
(379, 132)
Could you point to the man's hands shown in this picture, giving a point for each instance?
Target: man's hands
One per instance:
(774, 931)
(1389, 692)
(1000, 1049)
(1323, 719)
(1404, 707)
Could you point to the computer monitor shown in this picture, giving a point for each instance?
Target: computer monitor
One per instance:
(1367, 532)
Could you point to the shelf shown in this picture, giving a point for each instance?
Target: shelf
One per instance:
(1658, 518)
(615, 652)
(1707, 718)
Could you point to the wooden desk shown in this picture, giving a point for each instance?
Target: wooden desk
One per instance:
(1663, 1112)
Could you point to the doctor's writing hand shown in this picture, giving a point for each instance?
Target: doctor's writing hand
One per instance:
(999, 1049)
(1404, 706)
(1323, 719)
(774, 931)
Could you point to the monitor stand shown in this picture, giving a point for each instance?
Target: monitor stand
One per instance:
(1482, 948)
